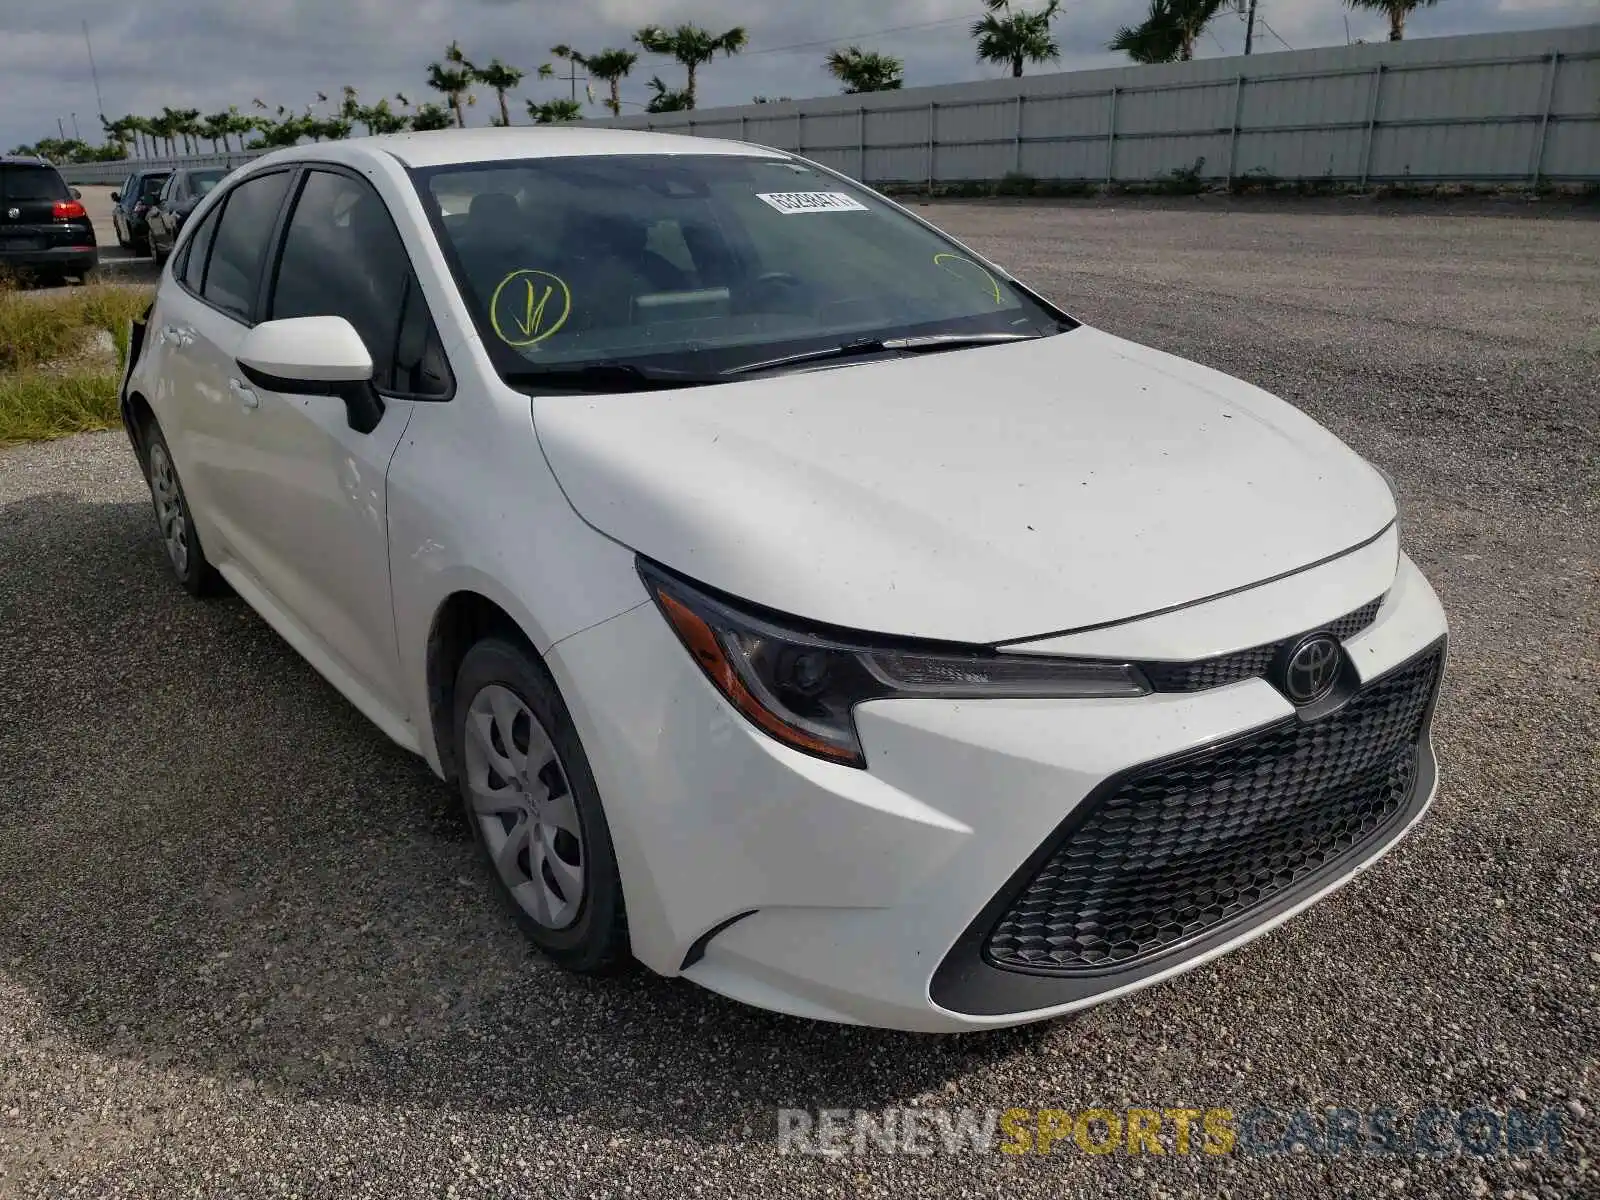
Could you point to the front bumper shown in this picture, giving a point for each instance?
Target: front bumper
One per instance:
(859, 896)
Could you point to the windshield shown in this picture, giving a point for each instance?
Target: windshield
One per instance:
(150, 186)
(699, 265)
(203, 181)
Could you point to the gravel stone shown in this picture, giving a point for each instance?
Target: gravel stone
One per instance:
(247, 949)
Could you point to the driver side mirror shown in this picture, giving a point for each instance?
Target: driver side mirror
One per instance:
(76, 194)
(116, 197)
(314, 356)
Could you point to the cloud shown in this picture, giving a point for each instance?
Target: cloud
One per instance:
(208, 54)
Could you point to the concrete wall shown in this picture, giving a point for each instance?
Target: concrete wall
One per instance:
(1513, 108)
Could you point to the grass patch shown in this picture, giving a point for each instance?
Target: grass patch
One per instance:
(35, 405)
(42, 327)
(53, 382)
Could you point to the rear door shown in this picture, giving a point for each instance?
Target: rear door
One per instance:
(212, 309)
(28, 195)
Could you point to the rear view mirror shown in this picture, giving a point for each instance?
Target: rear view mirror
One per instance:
(314, 356)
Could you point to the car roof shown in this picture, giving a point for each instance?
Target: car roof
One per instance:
(446, 147)
(25, 160)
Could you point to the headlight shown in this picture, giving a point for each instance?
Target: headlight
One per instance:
(800, 686)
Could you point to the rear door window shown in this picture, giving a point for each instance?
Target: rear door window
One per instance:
(239, 246)
(192, 268)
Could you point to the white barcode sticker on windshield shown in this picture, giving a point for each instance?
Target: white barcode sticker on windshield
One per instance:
(805, 202)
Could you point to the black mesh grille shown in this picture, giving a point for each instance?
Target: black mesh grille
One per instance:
(1179, 847)
(1206, 673)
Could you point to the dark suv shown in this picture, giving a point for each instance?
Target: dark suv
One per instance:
(136, 198)
(44, 231)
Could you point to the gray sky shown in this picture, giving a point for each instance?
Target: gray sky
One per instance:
(207, 54)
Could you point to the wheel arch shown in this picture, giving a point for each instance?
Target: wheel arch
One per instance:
(136, 415)
(462, 619)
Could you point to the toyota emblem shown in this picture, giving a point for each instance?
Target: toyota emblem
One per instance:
(1311, 668)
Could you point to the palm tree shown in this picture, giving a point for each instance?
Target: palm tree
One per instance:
(612, 66)
(865, 70)
(239, 124)
(162, 129)
(139, 126)
(502, 79)
(214, 129)
(431, 116)
(692, 46)
(1168, 32)
(1016, 37)
(117, 133)
(189, 127)
(452, 80)
(666, 99)
(553, 112)
(1396, 10)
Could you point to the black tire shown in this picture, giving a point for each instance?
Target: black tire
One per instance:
(192, 568)
(596, 940)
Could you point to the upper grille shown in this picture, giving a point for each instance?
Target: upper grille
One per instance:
(1206, 673)
(1176, 848)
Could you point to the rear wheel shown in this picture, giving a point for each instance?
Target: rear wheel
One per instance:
(534, 808)
(178, 534)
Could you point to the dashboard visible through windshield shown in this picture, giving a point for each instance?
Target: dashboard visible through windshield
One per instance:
(588, 271)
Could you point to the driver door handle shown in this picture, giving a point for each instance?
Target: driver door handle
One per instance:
(244, 395)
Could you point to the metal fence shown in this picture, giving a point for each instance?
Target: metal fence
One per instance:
(1488, 108)
(1519, 107)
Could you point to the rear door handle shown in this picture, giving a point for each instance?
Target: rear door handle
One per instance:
(244, 395)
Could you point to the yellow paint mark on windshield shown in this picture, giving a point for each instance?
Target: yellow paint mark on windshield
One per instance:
(944, 260)
(526, 314)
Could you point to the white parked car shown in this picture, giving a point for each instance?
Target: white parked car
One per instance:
(800, 603)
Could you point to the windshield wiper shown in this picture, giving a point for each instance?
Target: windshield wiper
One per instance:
(906, 345)
(608, 377)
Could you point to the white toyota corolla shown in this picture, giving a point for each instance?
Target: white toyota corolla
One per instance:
(800, 603)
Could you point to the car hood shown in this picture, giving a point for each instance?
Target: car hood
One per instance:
(979, 495)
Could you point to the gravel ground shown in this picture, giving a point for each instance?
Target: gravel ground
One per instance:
(246, 948)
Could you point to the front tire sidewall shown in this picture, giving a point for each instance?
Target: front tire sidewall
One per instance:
(597, 940)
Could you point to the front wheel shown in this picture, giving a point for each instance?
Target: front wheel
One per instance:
(534, 807)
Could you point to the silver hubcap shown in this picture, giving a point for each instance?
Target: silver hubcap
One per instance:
(522, 803)
(169, 508)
